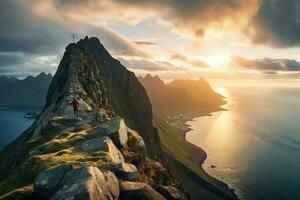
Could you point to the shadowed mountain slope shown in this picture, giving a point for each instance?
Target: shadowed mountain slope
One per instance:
(30, 91)
(111, 152)
(198, 89)
(178, 97)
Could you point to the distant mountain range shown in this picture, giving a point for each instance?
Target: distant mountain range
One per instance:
(180, 95)
(6, 80)
(30, 91)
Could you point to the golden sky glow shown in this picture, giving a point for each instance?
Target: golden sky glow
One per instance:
(190, 39)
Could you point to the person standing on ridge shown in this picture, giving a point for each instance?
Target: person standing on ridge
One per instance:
(75, 105)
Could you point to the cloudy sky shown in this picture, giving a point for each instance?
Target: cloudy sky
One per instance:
(171, 38)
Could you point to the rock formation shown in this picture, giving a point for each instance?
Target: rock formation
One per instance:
(111, 152)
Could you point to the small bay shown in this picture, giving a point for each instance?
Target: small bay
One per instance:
(13, 123)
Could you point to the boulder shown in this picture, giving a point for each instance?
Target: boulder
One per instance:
(117, 130)
(88, 183)
(169, 192)
(125, 171)
(138, 191)
(135, 141)
(103, 143)
(84, 183)
(85, 106)
(104, 116)
(47, 182)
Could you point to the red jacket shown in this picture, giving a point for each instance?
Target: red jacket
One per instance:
(75, 103)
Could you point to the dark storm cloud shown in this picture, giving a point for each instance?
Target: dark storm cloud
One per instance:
(21, 31)
(8, 59)
(271, 22)
(277, 23)
(193, 62)
(183, 7)
(191, 16)
(266, 64)
(20, 65)
(24, 31)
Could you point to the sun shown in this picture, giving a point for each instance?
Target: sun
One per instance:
(218, 60)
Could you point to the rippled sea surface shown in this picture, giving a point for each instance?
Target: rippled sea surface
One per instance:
(13, 123)
(255, 145)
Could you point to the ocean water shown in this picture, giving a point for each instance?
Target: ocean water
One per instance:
(13, 123)
(255, 145)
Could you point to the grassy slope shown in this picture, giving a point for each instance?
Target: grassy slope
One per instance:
(184, 160)
(55, 148)
(52, 150)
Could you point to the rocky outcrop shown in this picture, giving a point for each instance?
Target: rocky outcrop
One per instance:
(135, 141)
(102, 144)
(48, 181)
(65, 182)
(138, 191)
(117, 130)
(125, 171)
(103, 83)
(85, 158)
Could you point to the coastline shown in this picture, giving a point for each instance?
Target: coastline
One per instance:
(179, 121)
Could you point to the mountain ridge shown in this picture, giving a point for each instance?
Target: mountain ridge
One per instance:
(103, 143)
(112, 152)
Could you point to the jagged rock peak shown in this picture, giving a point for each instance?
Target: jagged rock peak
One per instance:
(104, 87)
(94, 46)
(64, 157)
(152, 81)
(79, 75)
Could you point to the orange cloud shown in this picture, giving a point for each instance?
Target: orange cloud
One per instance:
(188, 16)
(269, 65)
(192, 62)
(262, 21)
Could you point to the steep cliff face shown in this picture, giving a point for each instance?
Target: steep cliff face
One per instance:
(109, 86)
(111, 152)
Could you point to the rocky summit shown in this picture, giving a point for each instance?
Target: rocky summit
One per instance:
(112, 151)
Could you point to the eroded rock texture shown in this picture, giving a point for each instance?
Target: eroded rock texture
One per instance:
(61, 157)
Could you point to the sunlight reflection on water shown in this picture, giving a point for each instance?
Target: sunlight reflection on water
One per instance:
(250, 141)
